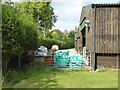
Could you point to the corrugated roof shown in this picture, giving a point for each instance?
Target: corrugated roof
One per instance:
(106, 5)
(103, 5)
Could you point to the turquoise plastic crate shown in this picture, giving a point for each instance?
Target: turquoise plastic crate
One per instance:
(62, 58)
(76, 62)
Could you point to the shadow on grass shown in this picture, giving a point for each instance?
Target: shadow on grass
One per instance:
(50, 83)
(50, 80)
(35, 77)
(46, 79)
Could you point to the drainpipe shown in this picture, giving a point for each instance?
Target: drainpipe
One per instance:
(94, 37)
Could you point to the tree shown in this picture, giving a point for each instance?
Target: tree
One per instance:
(66, 33)
(71, 34)
(56, 33)
(41, 12)
(19, 34)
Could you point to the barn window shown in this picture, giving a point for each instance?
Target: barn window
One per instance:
(82, 24)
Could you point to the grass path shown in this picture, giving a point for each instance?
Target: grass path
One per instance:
(71, 79)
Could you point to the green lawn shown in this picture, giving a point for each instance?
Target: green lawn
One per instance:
(71, 79)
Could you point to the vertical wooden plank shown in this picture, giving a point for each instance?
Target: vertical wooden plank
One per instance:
(90, 37)
(109, 28)
(92, 31)
(117, 59)
(105, 30)
(96, 31)
(104, 33)
(119, 30)
(99, 44)
(106, 36)
(114, 25)
(112, 31)
(110, 15)
(101, 13)
(89, 32)
(100, 29)
(115, 34)
(102, 25)
(116, 31)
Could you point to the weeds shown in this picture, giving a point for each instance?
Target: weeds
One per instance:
(15, 76)
(102, 69)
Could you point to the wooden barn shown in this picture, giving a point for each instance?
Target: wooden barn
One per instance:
(99, 32)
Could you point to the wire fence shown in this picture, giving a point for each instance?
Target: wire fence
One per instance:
(60, 60)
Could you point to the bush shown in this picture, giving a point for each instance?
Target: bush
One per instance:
(49, 42)
(63, 44)
(19, 34)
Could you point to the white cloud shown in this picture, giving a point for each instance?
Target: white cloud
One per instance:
(64, 26)
(69, 11)
(68, 14)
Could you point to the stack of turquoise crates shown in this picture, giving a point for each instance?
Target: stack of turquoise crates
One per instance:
(62, 58)
(75, 61)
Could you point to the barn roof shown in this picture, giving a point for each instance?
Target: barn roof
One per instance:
(103, 5)
(106, 5)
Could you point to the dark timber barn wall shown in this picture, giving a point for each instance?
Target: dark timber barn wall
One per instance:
(107, 36)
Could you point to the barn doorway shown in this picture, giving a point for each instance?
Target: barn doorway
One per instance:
(83, 37)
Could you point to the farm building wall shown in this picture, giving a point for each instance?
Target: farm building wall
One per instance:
(108, 61)
(107, 30)
(89, 14)
(107, 35)
(90, 31)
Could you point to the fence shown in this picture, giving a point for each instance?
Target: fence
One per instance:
(63, 60)
(87, 60)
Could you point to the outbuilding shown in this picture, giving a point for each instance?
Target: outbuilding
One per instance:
(99, 32)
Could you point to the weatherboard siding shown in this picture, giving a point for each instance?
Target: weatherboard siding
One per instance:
(107, 34)
(107, 30)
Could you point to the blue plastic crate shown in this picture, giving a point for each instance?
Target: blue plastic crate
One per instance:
(76, 61)
(62, 58)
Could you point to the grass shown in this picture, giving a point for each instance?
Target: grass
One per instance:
(37, 77)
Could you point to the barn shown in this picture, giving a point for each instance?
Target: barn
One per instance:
(99, 32)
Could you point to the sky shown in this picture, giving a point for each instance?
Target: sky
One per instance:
(69, 11)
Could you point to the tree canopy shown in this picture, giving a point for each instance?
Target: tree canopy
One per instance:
(41, 12)
(23, 25)
(20, 31)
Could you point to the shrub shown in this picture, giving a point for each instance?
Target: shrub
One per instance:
(49, 42)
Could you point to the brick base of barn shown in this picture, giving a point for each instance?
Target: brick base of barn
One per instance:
(106, 61)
